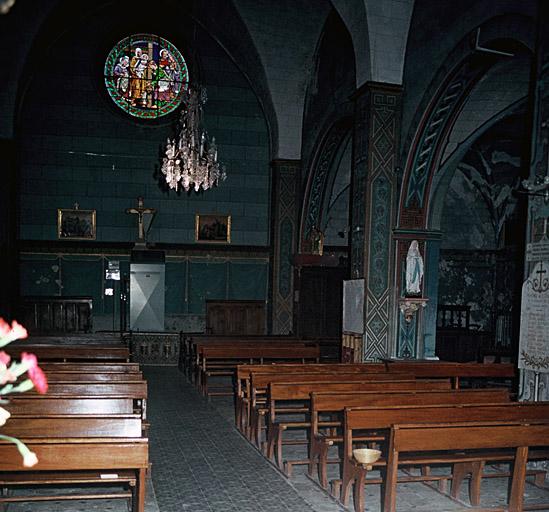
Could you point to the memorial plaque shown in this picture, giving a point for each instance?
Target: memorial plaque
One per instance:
(534, 320)
(353, 306)
(538, 251)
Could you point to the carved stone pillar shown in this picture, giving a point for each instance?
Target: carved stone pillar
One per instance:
(375, 153)
(285, 186)
(538, 181)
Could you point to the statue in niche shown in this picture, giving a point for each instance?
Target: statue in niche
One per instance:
(414, 270)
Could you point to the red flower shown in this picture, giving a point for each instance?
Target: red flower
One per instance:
(30, 360)
(39, 380)
(35, 372)
(4, 328)
(4, 358)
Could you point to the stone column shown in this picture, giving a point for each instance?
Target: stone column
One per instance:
(538, 181)
(9, 290)
(284, 230)
(375, 156)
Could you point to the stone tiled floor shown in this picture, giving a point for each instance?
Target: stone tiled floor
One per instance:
(200, 463)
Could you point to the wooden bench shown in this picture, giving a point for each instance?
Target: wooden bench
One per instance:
(71, 352)
(222, 360)
(376, 419)
(134, 390)
(91, 367)
(189, 344)
(301, 391)
(323, 403)
(243, 376)
(39, 405)
(77, 449)
(456, 371)
(447, 438)
(75, 376)
(260, 382)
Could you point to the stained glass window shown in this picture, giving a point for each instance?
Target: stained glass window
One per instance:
(146, 76)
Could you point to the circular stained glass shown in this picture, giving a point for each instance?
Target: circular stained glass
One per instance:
(146, 76)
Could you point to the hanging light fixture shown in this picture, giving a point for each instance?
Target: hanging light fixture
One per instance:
(190, 158)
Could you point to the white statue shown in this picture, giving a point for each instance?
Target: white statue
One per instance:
(414, 270)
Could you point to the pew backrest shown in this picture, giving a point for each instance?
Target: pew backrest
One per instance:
(38, 405)
(71, 352)
(324, 402)
(63, 426)
(75, 376)
(376, 418)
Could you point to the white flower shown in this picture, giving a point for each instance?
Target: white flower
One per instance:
(4, 415)
(30, 459)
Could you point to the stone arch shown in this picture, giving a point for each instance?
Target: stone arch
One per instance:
(329, 145)
(440, 110)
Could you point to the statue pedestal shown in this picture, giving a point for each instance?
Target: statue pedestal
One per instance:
(409, 306)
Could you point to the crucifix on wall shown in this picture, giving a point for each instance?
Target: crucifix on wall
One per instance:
(144, 219)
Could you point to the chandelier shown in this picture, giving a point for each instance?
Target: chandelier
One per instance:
(190, 158)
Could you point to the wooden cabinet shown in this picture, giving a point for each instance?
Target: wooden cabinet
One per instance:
(57, 315)
(230, 317)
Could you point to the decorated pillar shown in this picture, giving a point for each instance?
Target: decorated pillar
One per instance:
(375, 153)
(533, 356)
(285, 187)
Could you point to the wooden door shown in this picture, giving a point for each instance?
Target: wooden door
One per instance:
(320, 302)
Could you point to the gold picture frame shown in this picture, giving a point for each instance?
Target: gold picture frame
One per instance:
(76, 224)
(212, 228)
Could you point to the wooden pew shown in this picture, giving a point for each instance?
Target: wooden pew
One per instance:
(96, 425)
(91, 367)
(222, 360)
(301, 391)
(190, 343)
(136, 390)
(38, 405)
(77, 449)
(467, 436)
(244, 371)
(71, 352)
(383, 418)
(456, 371)
(260, 382)
(323, 403)
(70, 376)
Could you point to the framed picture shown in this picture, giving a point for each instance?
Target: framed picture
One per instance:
(213, 228)
(75, 224)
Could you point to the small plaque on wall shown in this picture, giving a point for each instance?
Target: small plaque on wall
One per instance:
(213, 228)
(75, 224)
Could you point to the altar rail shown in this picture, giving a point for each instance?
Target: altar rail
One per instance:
(155, 348)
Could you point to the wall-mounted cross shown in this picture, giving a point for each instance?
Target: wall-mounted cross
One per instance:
(140, 211)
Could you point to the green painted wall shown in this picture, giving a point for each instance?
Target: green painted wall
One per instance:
(75, 145)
